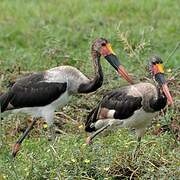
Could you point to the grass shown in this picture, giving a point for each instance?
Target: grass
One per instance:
(37, 35)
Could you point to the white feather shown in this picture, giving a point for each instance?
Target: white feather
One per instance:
(46, 112)
(67, 74)
(138, 121)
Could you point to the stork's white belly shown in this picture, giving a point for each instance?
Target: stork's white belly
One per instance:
(46, 112)
(139, 119)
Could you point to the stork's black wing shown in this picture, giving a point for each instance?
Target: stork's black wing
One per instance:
(32, 91)
(118, 100)
(123, 104)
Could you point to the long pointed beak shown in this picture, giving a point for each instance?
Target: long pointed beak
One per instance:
(159, 77)
(124, 74)
(114, 61)
(167, 93)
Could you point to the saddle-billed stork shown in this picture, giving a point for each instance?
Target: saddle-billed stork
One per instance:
(131, 106)
(41, 93)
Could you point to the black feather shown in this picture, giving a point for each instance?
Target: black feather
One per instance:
(123, 104)
(32, 91)
(4, 100)
(118, 100)
(39, 94)
(160, 103)
(92, 117)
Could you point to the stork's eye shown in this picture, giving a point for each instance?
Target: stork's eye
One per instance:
(103, 44)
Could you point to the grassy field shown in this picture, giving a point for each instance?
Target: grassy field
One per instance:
(37, 35)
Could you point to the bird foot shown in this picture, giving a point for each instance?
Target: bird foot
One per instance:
(51, 137)
(89, 141)
(135, 154)
(15, 149)
(59, 131)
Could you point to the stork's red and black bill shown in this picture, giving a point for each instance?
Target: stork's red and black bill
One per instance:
(111, 57)
(162, 82)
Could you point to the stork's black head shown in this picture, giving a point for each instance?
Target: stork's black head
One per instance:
(101, 47)
(156, 60)
(156, 69)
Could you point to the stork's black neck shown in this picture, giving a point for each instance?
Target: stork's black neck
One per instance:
(96, 83)
(160, 102)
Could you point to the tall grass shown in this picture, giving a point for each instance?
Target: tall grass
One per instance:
(37, 35)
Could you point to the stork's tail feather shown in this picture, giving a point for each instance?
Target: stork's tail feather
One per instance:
(92, 117)
(4, 100)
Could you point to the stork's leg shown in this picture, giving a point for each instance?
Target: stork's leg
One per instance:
(140, 133)
(91, 137)
(49, 118)
(135, 153)
(52, 132)
(16, 147)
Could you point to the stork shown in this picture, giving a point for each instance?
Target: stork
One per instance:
(131, 106)
(41, 93)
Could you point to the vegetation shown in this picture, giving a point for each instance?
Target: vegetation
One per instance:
(37, 35)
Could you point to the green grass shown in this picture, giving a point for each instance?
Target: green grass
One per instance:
(37, 35)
